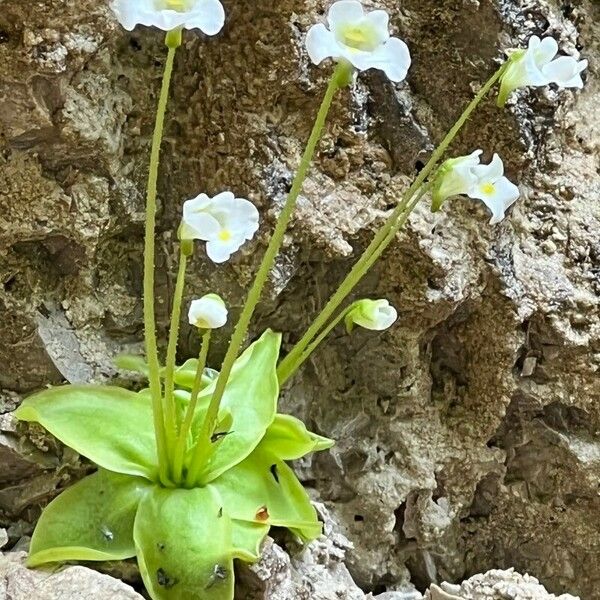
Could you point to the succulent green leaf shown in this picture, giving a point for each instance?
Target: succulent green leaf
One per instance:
(131, 362)
(247, 539)
(92, 520)
(185, 375)
(264, 489)
(184, 545)
(111, 426)
(289, 439)
(251, 399)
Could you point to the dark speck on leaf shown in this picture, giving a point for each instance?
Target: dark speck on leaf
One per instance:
(219, 574)
(160, 546)
(219, 436)
(164, 580)
(275, 473)
(262, 514)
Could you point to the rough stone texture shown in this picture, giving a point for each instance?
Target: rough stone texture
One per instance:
(495, 585)
(468, 434)
(72, 583)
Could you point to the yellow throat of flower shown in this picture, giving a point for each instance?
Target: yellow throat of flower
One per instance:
(224, 235)
(178, 5)
(361, 37)
(488, 188)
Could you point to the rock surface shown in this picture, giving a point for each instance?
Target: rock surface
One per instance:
(72, 583)
(468, 435)
(495, 585)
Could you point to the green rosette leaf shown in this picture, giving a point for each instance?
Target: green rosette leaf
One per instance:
(92, 520)
(111, 426)
(184, 545)
(247, 539)
(132, 362)
(251, 401)
(263, 489)
(185, 375)
(289, 439)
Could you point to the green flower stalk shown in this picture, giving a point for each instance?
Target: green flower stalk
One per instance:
(337, 81)
(163, 415)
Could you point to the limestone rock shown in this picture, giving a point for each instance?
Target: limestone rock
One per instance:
(70, 583)
(495, 585)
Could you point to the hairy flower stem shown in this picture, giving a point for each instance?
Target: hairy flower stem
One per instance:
(171, 416)
(191, 409)
(289, 364)
(338, 80)
(173, 41)
(317, 341)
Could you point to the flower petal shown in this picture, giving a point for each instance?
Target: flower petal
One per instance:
(544, 51)
(222, 198)
(393, 58)
(489, 173)
(344, 12)
(565, 71)
(199, 226)
(321, 44)
(380, 21)
(207, 15)
(243, 218)
(220, 251)
(505, 195)
(126, 13)
(208, 312)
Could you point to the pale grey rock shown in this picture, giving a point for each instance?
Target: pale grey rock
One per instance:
(69, 583)
(495, 585)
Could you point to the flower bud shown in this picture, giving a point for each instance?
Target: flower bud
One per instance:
(208, 312)
(375, 315)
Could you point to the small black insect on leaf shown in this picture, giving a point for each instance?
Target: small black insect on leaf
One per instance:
(275, 473)
(219, 435)
(164, 580)
(220, 513)
(160, 546)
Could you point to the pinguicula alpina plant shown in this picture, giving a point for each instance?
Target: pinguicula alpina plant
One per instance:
(192, 471)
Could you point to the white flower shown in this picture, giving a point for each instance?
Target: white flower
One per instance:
(224, 222)
(360, 39)
(538, 66)
(206, 15)
(376, 315)
(208, 312)
(465, 175)
(493, 189)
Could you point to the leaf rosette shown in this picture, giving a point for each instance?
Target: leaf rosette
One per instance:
(185, 539)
